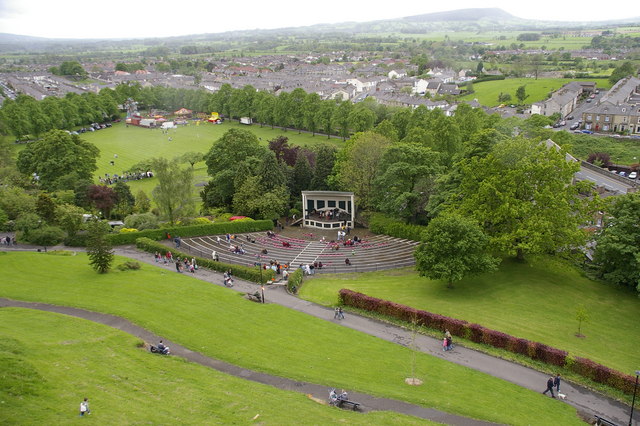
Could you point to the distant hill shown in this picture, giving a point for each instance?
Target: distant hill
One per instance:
(475, 19)
(462, 15)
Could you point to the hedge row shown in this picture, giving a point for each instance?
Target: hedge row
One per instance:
(193, 231)
(479, 334)
(295, 280)
(382, 224)
(252, 274)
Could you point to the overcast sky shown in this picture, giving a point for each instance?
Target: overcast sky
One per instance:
(160, 18)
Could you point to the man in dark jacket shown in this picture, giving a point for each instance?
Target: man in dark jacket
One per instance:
(550, 387)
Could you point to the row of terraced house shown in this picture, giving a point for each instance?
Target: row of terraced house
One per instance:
(618, 111)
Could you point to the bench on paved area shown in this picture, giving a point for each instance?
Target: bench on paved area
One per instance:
(605, 422)
(341, 402)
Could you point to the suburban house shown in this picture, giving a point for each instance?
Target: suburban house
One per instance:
(397, 74)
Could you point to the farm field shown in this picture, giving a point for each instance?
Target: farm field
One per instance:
(487, 92)
(536, 301)
(50, 362)
(219, 323)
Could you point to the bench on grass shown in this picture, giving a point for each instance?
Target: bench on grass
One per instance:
(342, 402)
(604, 422)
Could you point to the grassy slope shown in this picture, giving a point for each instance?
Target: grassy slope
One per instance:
(537, 301)
(487, 92)
(270, 338)
(51, 361)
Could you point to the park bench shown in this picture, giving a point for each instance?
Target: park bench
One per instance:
(604, 422)
(342, 402)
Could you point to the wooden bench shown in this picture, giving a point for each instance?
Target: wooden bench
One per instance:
(342, 402)
(605, 422)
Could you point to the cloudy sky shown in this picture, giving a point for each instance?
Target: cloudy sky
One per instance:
(159, 18)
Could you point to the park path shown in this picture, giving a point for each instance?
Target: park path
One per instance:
(320, 392)
(589, 403)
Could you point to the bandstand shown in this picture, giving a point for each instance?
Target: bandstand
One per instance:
(328, 209)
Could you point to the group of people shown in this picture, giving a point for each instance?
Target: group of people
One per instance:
(227, 278)
(334, 397)
(447, 341)
(181, 264)
(338, 313)
(551, 383)
(7, 241)
(125, 177)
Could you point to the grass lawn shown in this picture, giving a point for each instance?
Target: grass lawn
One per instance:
(536, 301)
(50, 362)
(220, 323)
(133, 144)
(487, 92)
(621, 150)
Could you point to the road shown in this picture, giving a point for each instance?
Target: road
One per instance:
(601, 179)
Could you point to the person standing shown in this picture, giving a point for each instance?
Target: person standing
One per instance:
(84, 407)
(340, 313)
(549, 387)
(556, 383)
(336, 313)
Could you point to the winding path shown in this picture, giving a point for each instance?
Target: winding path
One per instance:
(588, 402)
(368, 402)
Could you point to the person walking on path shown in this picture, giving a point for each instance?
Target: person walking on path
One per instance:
(84, 407)
(336, 313)
(556, 383)
(340, 313)
(550, 387)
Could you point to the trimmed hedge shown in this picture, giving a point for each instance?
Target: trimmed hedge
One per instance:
(295, 280)
(192, 231)
(479, 334)
(382, 224)
(247, 273)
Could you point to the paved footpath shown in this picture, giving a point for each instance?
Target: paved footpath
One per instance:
(588, 402)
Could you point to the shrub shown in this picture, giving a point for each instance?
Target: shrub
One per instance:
(129, 266)
(253, 274)
(295, 280)
(141, 221)
(127, 230)
(382, 224)
(201, 221)
(193, 231)
(78, 240)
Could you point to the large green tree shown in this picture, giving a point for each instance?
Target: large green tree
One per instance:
(405, 179)
(358, 164)
(523, 195)
(452, 248)
(98, 246)
(618, 243)
(174, 193)
(59, 159)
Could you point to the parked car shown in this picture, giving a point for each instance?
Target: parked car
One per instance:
(592, 96)
(574, 126)
(563, 123)
(587, 132)
(589, 100)
(623, 174)
(571, 117)
(633, 175)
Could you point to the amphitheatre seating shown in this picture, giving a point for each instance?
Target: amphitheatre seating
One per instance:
(377, 252)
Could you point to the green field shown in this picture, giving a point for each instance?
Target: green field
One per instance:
(487, 92)
(50, 362)
(219, 323)
(536, 301)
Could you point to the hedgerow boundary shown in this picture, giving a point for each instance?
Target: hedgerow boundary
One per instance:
(479, 334)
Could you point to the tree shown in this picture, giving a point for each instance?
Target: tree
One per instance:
(524, 196)
(125, 201)
(251, 200)
(58, 157)
(324, 116)
(582, 315)
(174, 193)
(521, 93)
(99, 246)
(405, 179)
(70, 218)
(302, 175)
(72, 69)
(192, 158)
(452, 248)
(617, 252)
(143, 202)
(310, 108)
(341, 118)
(325, 160)
(45, 207)
(103, 198)
(361, 119)
(357, 165)
(480, 68)
(623, 70)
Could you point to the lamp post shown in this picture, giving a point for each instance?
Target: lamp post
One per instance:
(263, 295)
(633, 401)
